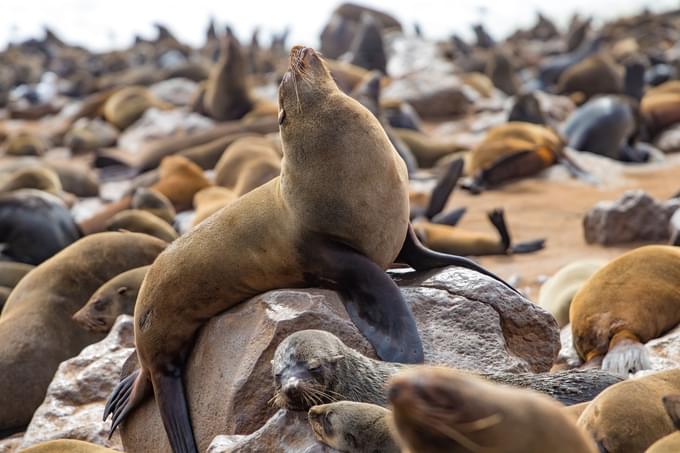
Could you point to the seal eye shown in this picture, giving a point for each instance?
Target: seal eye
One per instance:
(99, 305)
(282, 116)
(313, 365)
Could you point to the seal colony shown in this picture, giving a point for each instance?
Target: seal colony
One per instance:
(293, 231)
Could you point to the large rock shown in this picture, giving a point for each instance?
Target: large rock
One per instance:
(433, 95)
(634, 217)
(466, 320)
(285, 432)
(75, 399)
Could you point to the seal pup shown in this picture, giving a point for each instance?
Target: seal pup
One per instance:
(630, 416)
(296, 230)
(443, 410)
(353, 427)
(112, 299)
(671, 442)
(628, 302)
(34, 225)
(313, 366)
(36, 329)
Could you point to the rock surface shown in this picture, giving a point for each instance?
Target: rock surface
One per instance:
(466, 320)
(75, 399)
(634, 217)
(284, 432)
(432, 95)
(157, 124)
(178, 91)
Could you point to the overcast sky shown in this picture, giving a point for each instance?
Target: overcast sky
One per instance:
(101, 24)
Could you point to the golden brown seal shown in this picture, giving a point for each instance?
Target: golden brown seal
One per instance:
(671, 442)
(139, 221)
(628, 302)
(154, 202)
(210, 200)
(128, 104)
(179, 180)
(443, 410)
(238, 155)
(67, 446)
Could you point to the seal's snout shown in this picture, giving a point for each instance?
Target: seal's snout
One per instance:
(291, 388)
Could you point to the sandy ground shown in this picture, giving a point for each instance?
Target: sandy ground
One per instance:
(553, 207)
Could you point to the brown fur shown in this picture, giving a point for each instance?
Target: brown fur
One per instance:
(231, 166)
(458, 241)
(98, 222)
(25, 144)
(660, 105)
(128, 104)
(67, 446)
(36, 329)
(40, 178)
(671, 442)
(631, 300)
(210, 200)
(598, 74)
(427, 150)
(139, 221)
(353, 427)
(629, 417)
(443, 410)
(154, 202)
(113, 298)
(11, 273)
(179, 180)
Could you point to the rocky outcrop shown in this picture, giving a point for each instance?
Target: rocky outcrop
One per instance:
(634, 217)
(179, 91)
(75, 399)
(466, 320)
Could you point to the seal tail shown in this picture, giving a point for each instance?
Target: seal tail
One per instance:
(172, 405)
(125, 397)
(419, 257)
(445, 185)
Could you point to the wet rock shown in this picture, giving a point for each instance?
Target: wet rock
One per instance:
(75, 399)
(465, 320)
(156, 124)
(432, 95)
(634, 217)
(178, 91)
(285, 431)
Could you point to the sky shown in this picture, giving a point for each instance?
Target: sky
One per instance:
(106, 24)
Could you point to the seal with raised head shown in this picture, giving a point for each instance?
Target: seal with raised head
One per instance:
(113, 298)
(353, 427)
(337, 216)
(314, 366)
(628, 302)
(437, 410)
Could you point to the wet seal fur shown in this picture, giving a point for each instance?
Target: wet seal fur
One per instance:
(297, 230)
(442, 410)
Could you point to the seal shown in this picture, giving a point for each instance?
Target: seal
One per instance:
(67, 445)
(314, 366)
(38, 313)
(154, 202)
(128, 104)
(671, 442)
(112, 299)
(11, 273)
(558, 291)
(34, 226)
(179, 179)
(614, 417)
(25, 143)
(353, 427)
(427, 150)
(625, 304)
(527, 108)
(457, 241)
(139, 221)
(597, 74)
(442, 410)
(296, 230)
(500, 70)
(367, 49)
(241, 152)
(39, 178)
(659, 106)
(210, 200)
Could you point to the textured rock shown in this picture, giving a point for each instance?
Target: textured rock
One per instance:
(75, 399)
(466, 320)
(284, 432)
(156, 124)
(432, 94)
(634, 217)
(178, 91)
(11, 444)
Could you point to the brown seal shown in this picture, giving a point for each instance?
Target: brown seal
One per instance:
(210, 200)
(659, 106)
(154, 202)
(11, 273)
(39, 178)
(597, 74)
(179, 180)
(37, 315)
(67, 446)
(241, 152)
(139, 221)
(443, 410)
(630, 416)
(671, 442)
(127, 105)
(628, 302)
(298, 229)
(113, 298)
(353, 427)
(428, 150)
(25, 143)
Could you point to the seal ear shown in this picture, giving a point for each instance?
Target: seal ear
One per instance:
(672, 405)
(122, 290)
(335, 358)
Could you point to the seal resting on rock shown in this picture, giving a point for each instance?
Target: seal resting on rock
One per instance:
(337, 216)
(36, 329)
(442, 410)
(628, 302)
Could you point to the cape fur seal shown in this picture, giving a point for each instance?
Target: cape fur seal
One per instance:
(296, 230)
(671, 442)
(67, 446)
(629, 417)
(36, 329)
(154, 202)
(127, 105)
(314, 366)
(139, 221)
(628, 302)
(179, 179)
(443, 410)
(353, 427)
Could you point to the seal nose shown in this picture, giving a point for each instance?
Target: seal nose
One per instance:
(291, 388)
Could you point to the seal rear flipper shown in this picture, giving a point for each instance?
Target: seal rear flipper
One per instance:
(497, 219)
(373, 301)
(125, 397)
(528, 246)
(518, 165)
(450, 218)
(419, 257)
(171, 400)
(445, 185)
(626, 356)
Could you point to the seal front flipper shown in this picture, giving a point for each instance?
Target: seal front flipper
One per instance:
(444, 187)
(172, 405)
(626, 355)
(419, 257)
(497, 219)
(373, 301)
(127, 395)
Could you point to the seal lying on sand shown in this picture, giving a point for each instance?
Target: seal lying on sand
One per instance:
(337, 216)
